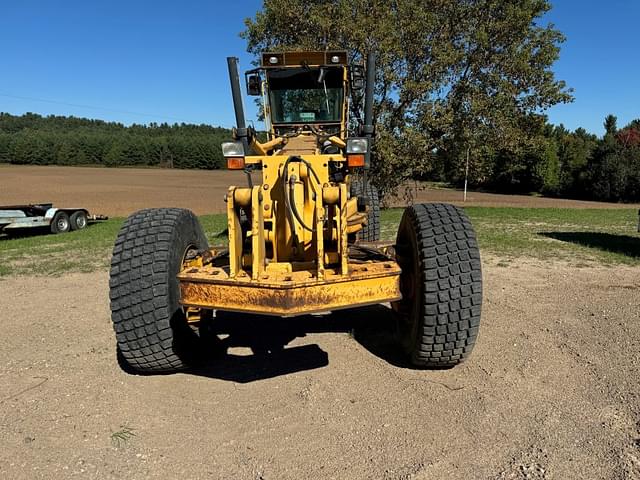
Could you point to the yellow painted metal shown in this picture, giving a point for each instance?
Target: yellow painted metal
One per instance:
(235, 234)
(283, 227)
(328, 215)
(303, 58)
(338, 141)
(193, 315)
(310, 157)
(257, 234)
(319, 226)
(265, 148)
(331, 195)
(293, 255)
(290, 293)
(242, 196)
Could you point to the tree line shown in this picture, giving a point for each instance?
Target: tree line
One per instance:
(32, 139)
(558, 162)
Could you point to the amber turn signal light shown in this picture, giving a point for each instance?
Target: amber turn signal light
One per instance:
(235, 163)
(355, 160)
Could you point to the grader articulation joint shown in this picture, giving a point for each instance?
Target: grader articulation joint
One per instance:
(305, 239)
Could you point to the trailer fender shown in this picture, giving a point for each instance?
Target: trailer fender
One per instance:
(50, 214)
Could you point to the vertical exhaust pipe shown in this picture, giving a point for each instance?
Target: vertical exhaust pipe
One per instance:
(241, 124)
(368, 129)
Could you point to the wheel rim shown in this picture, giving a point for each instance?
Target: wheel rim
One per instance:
(81, 222)
(62, 224)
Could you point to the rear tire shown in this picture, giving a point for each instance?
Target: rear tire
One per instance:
(78, 220)
(371, 231)
(60, 223)
(151, 329)
(441, 284)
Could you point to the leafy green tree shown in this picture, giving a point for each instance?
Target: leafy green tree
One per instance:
(574, 152)
(5, 148)
(613, 170)
(115, 156)
(30, 147)
(610, 125)
(453, 74)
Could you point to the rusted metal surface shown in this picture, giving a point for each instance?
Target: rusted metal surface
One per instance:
(300, 145)
(343, 248)
(290, 293)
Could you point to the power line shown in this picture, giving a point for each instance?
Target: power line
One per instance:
(78, 105)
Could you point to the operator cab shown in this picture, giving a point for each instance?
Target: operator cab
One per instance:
(306, 95)
(302, 91)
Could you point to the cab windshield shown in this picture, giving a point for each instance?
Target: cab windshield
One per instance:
(306, 95)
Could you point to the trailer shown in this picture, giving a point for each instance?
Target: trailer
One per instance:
(16, 219)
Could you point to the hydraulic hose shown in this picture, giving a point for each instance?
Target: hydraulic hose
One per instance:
(289, 194)
(292, 205)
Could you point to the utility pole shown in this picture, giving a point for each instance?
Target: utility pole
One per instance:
(466, 175)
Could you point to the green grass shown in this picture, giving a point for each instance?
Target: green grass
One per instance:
(121, 437)
(81, 251)
(578, 236)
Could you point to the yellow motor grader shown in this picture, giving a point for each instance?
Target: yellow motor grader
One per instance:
(303, 240)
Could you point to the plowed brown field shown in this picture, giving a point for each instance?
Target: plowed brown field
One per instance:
(121, 191)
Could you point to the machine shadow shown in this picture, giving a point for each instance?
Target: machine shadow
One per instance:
(266, 338)
(608, 242)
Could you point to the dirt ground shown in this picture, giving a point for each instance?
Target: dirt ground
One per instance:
(121, 191)
(551, 390)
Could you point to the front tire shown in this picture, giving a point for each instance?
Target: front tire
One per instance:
(441, 284)
(151, 330)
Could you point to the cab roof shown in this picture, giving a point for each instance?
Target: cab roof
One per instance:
(304, 59)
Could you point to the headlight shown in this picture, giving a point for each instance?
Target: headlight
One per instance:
(357, 145)
(232, 149)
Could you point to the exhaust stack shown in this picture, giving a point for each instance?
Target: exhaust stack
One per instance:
(241, 124)
(368, 129)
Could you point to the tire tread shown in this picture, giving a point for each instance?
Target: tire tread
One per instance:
(451, 285)
(139, 289)
(370, 232)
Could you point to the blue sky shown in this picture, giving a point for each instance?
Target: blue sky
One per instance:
(144, 61)
(600, 60)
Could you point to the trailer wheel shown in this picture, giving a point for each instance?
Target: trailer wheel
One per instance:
(151, 330)
(60, 223)
(441, 284)
(371, 231)
(78, 220)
